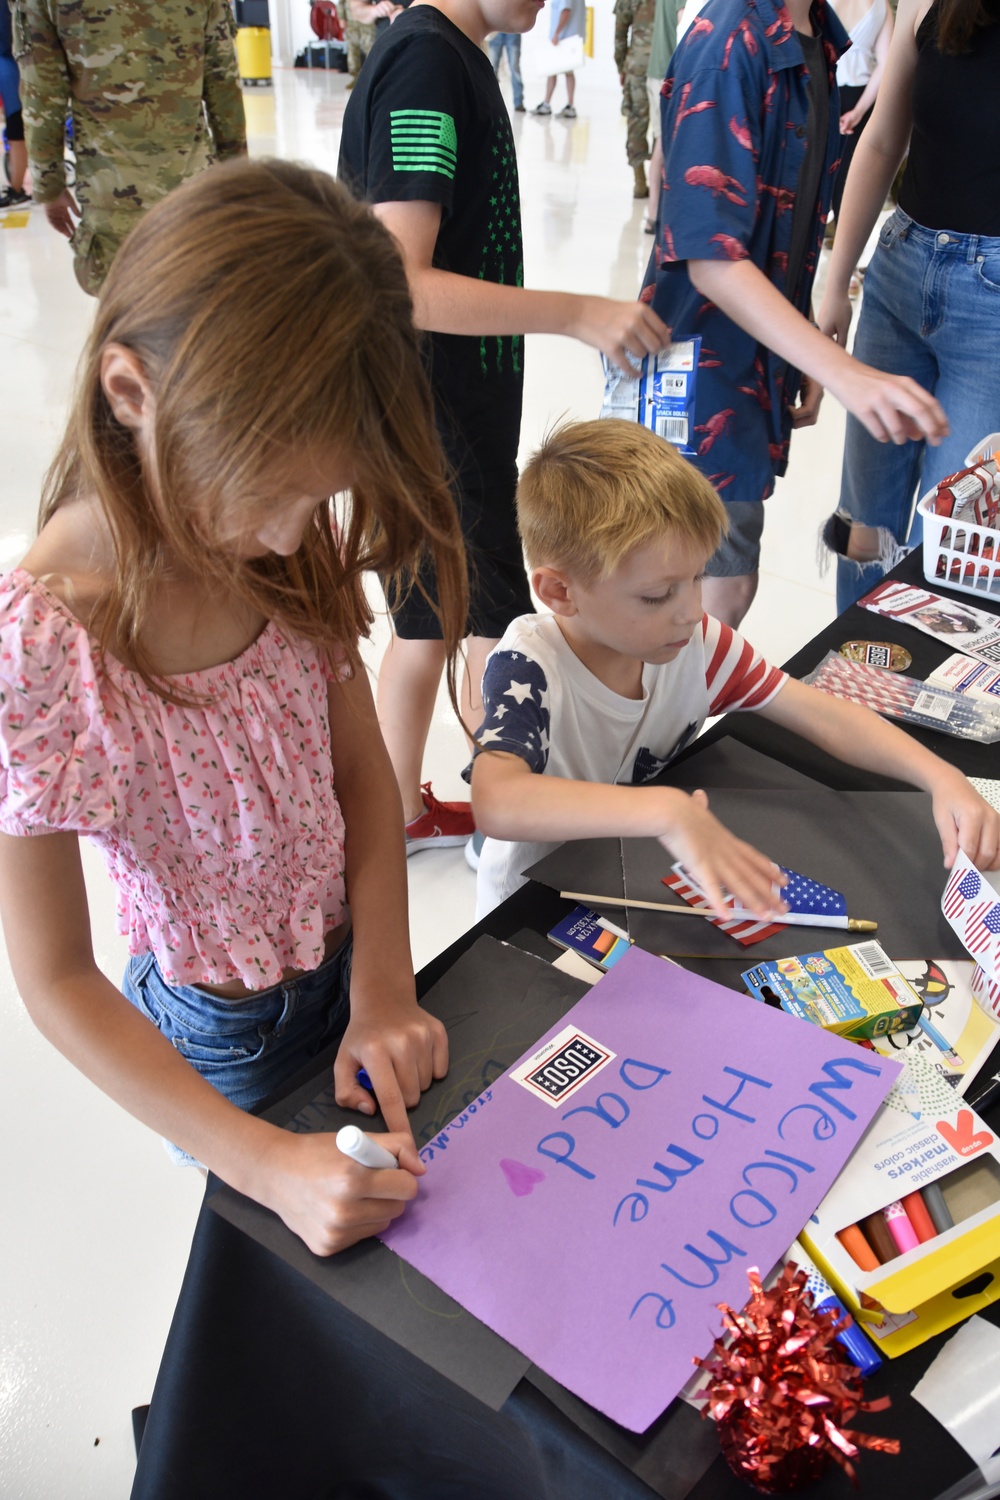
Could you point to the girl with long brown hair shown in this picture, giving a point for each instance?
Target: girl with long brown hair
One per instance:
(180, 681)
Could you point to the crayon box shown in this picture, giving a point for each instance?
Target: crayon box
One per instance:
(855, 991)
(924, 1141)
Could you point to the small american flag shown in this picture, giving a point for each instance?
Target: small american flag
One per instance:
(807, 898)
(746, 930)
(972, 907)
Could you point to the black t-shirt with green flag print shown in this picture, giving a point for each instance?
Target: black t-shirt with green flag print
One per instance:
(426, 121)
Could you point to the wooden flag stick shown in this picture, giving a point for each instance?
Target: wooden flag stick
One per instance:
(692, 911)
(786, 919)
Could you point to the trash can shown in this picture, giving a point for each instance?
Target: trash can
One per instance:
(253, 53)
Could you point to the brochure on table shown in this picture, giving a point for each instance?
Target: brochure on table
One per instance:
(975, 632)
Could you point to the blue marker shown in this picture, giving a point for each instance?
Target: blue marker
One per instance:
(365, 1081)
(859, 1349)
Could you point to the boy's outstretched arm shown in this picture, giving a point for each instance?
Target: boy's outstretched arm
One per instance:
(444, 302)
(893, 408)
(513, 802)
(859, 737)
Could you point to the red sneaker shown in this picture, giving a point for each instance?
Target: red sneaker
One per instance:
(441, 825)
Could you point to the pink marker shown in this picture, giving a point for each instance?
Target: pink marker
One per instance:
(900, 1228)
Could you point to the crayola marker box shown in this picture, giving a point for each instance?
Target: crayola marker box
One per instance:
(928, 1151)
(855, 991)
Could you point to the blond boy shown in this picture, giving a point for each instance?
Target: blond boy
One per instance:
(586, 704)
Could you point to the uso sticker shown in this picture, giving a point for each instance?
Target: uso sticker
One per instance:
(562, 1066)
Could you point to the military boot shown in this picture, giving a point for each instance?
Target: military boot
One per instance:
(641, 190)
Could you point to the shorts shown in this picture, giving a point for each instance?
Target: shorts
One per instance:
(653, 87)
(739, 551)
(245, 1048)
(498, 584)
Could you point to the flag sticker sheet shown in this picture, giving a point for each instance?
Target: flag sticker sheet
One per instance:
(972, 906)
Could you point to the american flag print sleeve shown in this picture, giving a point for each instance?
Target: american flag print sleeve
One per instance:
(516, 709)
(737, 676)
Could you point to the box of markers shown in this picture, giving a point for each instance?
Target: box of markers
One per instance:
(593, 937)
(909, 1234)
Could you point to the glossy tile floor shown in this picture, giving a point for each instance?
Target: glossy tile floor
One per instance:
(96, 1222)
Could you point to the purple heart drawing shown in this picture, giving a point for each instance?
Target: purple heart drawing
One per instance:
(520, 1179)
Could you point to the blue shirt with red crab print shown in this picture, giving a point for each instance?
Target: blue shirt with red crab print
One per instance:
(734, 112)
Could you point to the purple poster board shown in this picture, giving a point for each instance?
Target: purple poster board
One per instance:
(596, 1203)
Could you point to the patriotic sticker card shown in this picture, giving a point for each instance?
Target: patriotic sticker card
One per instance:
(959, 625)
(972, 906)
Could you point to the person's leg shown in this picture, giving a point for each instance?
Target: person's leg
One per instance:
(352, 33)
(651, 221)
(408, 683)
(17, 160)
(637, 136)
(967, 296)
(879, 480)
(17, 165)
(570, 89)
(731, 575)
(550, 88)
(728, 599)
(849, 96)
(514, 63)
(495, 45)
(477, 649)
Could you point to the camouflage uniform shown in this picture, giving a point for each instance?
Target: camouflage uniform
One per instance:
(633, 39)
(153, 90)
(360, 38)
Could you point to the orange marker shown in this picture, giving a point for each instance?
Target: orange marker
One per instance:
(916, 1212)
(858, 1248)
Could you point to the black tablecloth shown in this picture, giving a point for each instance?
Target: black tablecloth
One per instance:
(269, 1388)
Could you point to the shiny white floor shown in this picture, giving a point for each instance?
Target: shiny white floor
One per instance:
(96, 1223)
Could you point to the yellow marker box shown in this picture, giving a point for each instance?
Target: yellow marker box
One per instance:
(923, 1136)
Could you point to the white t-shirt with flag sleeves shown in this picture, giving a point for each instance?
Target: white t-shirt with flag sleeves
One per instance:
(541, 703)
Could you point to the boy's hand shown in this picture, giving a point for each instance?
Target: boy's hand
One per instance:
(402, 1049)
(965, 821)
(806, 413)
(894, 408)
(717, 858)
(327, 1199)
(618, 329)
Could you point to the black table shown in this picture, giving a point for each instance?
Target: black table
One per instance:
(269, 1388)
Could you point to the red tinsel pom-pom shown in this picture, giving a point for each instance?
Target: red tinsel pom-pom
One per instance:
(782, 1389)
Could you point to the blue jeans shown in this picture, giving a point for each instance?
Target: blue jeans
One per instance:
(509, 42)
(245, 1048)
(931, 310)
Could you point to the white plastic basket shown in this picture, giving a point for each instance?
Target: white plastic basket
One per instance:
(965, 556)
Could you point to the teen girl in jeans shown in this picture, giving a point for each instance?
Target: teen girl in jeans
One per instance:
(931, 306)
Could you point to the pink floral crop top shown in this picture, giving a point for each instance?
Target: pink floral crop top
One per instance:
(219, 824)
